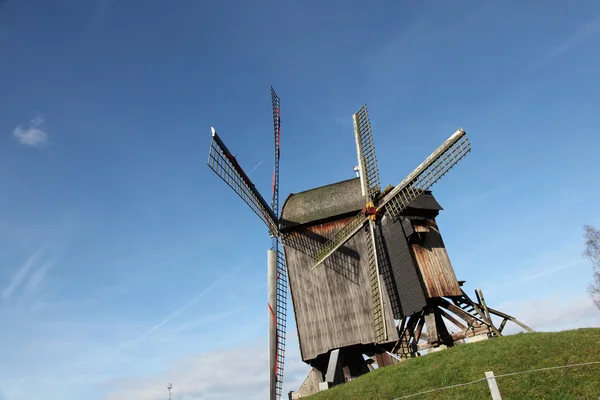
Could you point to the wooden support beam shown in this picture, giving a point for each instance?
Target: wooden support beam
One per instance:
(510, 318)
(419, 329)
(487, 312)
(401, 327)
(461, 313)
(455, 321)
(502, 324)
(442, 329)
(432, 333)
(347, 376)
(384, 360)
(471, 318)
(407, 334)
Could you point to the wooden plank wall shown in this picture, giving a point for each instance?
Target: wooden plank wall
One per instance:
(433, 261)
(332, 302)
(310, 384)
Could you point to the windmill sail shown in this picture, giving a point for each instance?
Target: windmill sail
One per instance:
(422, 178)
(375, 286)
(277, 146)
(427, 173)
(281, 317)
(280, 313)
(365, 149)
(369, 179)
(224, 164)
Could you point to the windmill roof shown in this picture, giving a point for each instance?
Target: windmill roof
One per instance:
(322, 203)
(333, 201)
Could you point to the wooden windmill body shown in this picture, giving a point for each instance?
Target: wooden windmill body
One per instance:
(370, 278)
(332, 305)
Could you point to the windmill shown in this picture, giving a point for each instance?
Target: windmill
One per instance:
(367, 268)
(370, 266)
(392, 203)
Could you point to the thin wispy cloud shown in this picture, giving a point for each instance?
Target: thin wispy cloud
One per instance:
(255, 167)
(21, 273)
(33, 135)
(204, 320)
(27, 279)
(576, 39)
(477, 198)
(36, 279)
(179, 311)
(535, 276)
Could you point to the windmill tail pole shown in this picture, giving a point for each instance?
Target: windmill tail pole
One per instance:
(272, 298)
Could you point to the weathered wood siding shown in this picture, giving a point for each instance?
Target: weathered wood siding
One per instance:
(332, 302)
(404, 277)
(310, 384)
(433, 261)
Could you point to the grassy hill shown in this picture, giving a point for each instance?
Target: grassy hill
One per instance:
(466, 363)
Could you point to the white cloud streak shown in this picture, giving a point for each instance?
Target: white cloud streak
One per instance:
(570, 43)
(177, 312)
(204, 320)
(577, 38)
(535, 276)
(255, 167)
(32, 136)
(22, 272)
(37, 278)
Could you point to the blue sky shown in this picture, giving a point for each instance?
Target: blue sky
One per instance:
(125, 263)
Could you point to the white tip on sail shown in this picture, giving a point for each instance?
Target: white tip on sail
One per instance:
(212, 129)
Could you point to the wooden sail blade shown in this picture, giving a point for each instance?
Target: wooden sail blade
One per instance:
(379, 328)
(365, 150)
(224, 164)
(425, 175)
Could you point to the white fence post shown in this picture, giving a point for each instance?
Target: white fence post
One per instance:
(491, 380)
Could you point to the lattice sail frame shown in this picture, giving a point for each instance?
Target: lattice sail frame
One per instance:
(379, 327)
(370, 186)
(282, 282)
(281, 318)
(224, 164)
(365, 150)
(438, 164)
(277, 146)
(442, 160)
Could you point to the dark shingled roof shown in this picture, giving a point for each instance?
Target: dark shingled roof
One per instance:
(334, 200)
(322, 203)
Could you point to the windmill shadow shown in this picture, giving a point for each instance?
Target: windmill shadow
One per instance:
(345, 261)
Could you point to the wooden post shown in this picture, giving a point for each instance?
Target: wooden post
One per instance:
(491, 380)
(487, 312)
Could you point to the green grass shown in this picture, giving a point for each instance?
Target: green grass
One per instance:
(466, 363)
